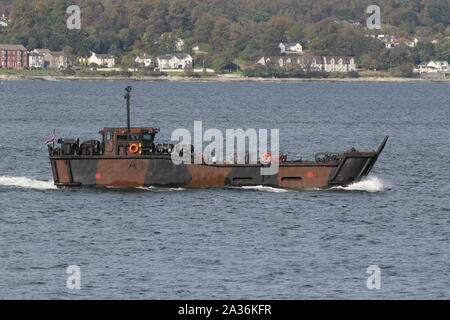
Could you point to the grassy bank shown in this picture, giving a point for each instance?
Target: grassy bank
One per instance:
(30, 72)
(375, 74)
(125, 74)
(71, 75)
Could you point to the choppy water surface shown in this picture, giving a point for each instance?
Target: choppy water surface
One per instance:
(250, 243)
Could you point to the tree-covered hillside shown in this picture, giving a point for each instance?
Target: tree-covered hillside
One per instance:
(230, 29)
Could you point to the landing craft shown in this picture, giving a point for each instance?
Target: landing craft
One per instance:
(131, 157)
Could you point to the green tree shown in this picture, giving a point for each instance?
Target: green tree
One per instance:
(221, 62)
(295, 33)
(403, 70)
(425, 51)
(243, 28)
(443, 50)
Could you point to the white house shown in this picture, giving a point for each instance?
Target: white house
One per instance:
(144, 60)
(407, 42)
(312, 63)
(36, 60)
(339, 64)
(433, 66)
(175, 61)
(59, 60)
(196, 50)
(388, 40)
(3, 21)
(46, 53)
(102, 60)
(291, 47)
(52, 59)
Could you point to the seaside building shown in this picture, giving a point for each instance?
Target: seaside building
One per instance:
(433, 67)
(59, 60)
(36, 60)
(144, 60)
(312, 63)
(175, 61)
(13, 56)
(47, 56)
(102, 60)
(53, 59)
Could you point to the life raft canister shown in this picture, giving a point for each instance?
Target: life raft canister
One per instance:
(133, 148)
(266, 157)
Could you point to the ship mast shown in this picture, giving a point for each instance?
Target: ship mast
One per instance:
(127, 98)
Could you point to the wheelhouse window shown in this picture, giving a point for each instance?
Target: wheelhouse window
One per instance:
(147, 137)
(135, 137)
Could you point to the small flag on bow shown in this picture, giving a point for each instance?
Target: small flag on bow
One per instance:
(51, 140)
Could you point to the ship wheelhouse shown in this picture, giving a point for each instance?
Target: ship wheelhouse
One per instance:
(123, 141)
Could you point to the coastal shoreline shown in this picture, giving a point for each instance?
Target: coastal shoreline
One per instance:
(226, 78)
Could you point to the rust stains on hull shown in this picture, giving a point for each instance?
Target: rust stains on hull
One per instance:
(117, 163)
(204, 176)
(61, 171)
(142, 171)
(121, 172)
(303, 177)
(130, 157)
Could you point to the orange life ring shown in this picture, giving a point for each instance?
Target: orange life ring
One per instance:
(266, 157)
(134, 148)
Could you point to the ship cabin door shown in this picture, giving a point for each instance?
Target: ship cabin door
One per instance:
(108, 139)
(148, 140)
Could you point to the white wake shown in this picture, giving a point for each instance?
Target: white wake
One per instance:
(160, 189)
(23, 182)
(368, 184)
(265, 188)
